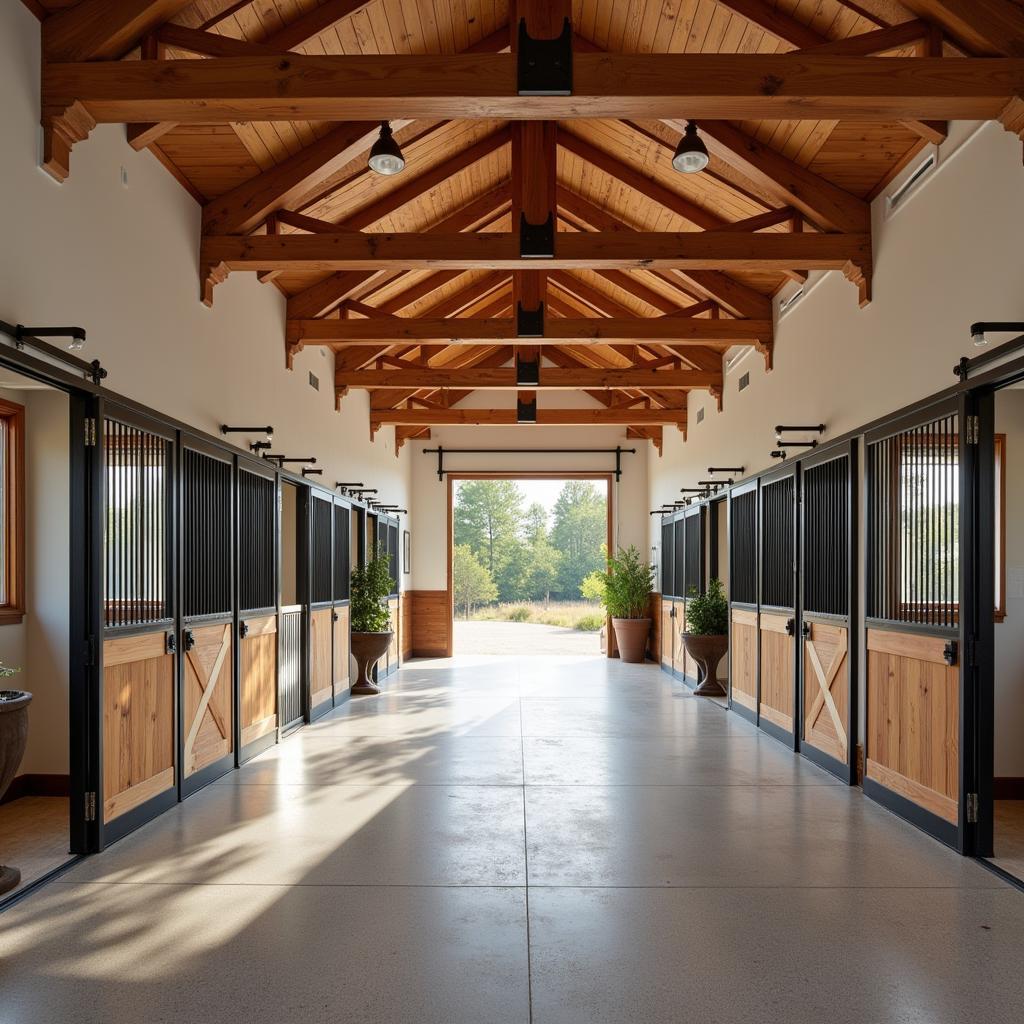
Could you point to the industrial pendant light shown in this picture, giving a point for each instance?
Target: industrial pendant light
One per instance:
(691, 155)
(386, 154)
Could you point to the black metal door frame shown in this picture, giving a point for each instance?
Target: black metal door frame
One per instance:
(693, 579)
(191, 442)
(793, 624)
(846, 772)
(738, 491)
(341, 588)
(107, 408)
(300, 607)
(314, 495)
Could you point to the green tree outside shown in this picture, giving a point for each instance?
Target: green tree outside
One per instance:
(472, 581)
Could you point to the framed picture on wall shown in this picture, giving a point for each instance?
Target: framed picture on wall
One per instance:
(406, 553)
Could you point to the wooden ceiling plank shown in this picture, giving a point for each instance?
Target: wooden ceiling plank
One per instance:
(776, 22)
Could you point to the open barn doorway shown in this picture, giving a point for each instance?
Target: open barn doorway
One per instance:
(522, 554)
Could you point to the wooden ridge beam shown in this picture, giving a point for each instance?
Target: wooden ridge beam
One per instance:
(552, 378)
(597, 330)
(606, 85)
(508, 417)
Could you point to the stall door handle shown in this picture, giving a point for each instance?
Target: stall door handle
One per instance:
(189, 637)
(243, 629)
(806, 629)
(791, 627)
(170, 643)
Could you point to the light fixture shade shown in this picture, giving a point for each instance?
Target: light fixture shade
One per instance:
(386, 155)
(979, 339)
(691, 155)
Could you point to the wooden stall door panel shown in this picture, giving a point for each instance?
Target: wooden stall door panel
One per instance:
(138, 722)
(678, 627)
(743, 655)
(208, 720)
(913, 718)
(321, 626)
(258, 661)
(668, 642)
(827, 689)
(776, 671)
(341, 652)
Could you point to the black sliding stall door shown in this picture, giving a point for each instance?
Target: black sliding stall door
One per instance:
(138, 654)
(321, 602)
(292, 645)
(208, 734)
(777, 700)
(342, 575)
(919, 530)
(257, 561)
(743, 598)
(828, 672)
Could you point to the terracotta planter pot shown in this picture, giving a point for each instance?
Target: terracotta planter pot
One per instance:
(368, 649)
(13, 737)
(707, 651)
(631, 636)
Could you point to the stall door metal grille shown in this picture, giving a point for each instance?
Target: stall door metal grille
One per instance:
(913, 741)
(777, 539)
(913, 525)
(206, 535)
(827, 705)
(667, 548)
(321, 572)
(342, 548)
(392, 542)
(290, 671)
(679, 549)
(694, 547)
(257, 576)
(137, 468)
(743, 548)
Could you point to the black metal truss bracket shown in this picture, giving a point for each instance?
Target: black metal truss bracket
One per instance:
(529, 322)
(526, 409)
(544, 66)
(537, 241)
(527, 372)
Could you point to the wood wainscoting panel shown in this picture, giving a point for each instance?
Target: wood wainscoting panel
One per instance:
(396, 631)
(138, 721)
(431, 623)
(913, 720)
(342, 651)
(258, 669)
(827, 689)
(321, 669)
(743, 657)
(777, 679)
(405, 619)
(209, 726)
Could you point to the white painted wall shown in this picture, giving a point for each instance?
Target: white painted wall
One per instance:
(123, 263)
(1009, 634)
(950, 256)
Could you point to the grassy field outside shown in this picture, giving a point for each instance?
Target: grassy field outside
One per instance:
(587, 616)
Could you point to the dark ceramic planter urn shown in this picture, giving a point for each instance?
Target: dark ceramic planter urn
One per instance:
(631, 637)
(707, 651)
(13, 737)
(368, 649)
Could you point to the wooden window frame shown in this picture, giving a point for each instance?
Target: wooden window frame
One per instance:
(12, 611)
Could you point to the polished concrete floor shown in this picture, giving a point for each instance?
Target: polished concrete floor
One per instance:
(521, 839)
(34, 837)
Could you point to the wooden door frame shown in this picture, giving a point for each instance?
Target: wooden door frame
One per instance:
(609, 532)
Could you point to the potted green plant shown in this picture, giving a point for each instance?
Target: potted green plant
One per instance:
(706, 637)
(371, 618)
(626, 596)
(13, 739)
